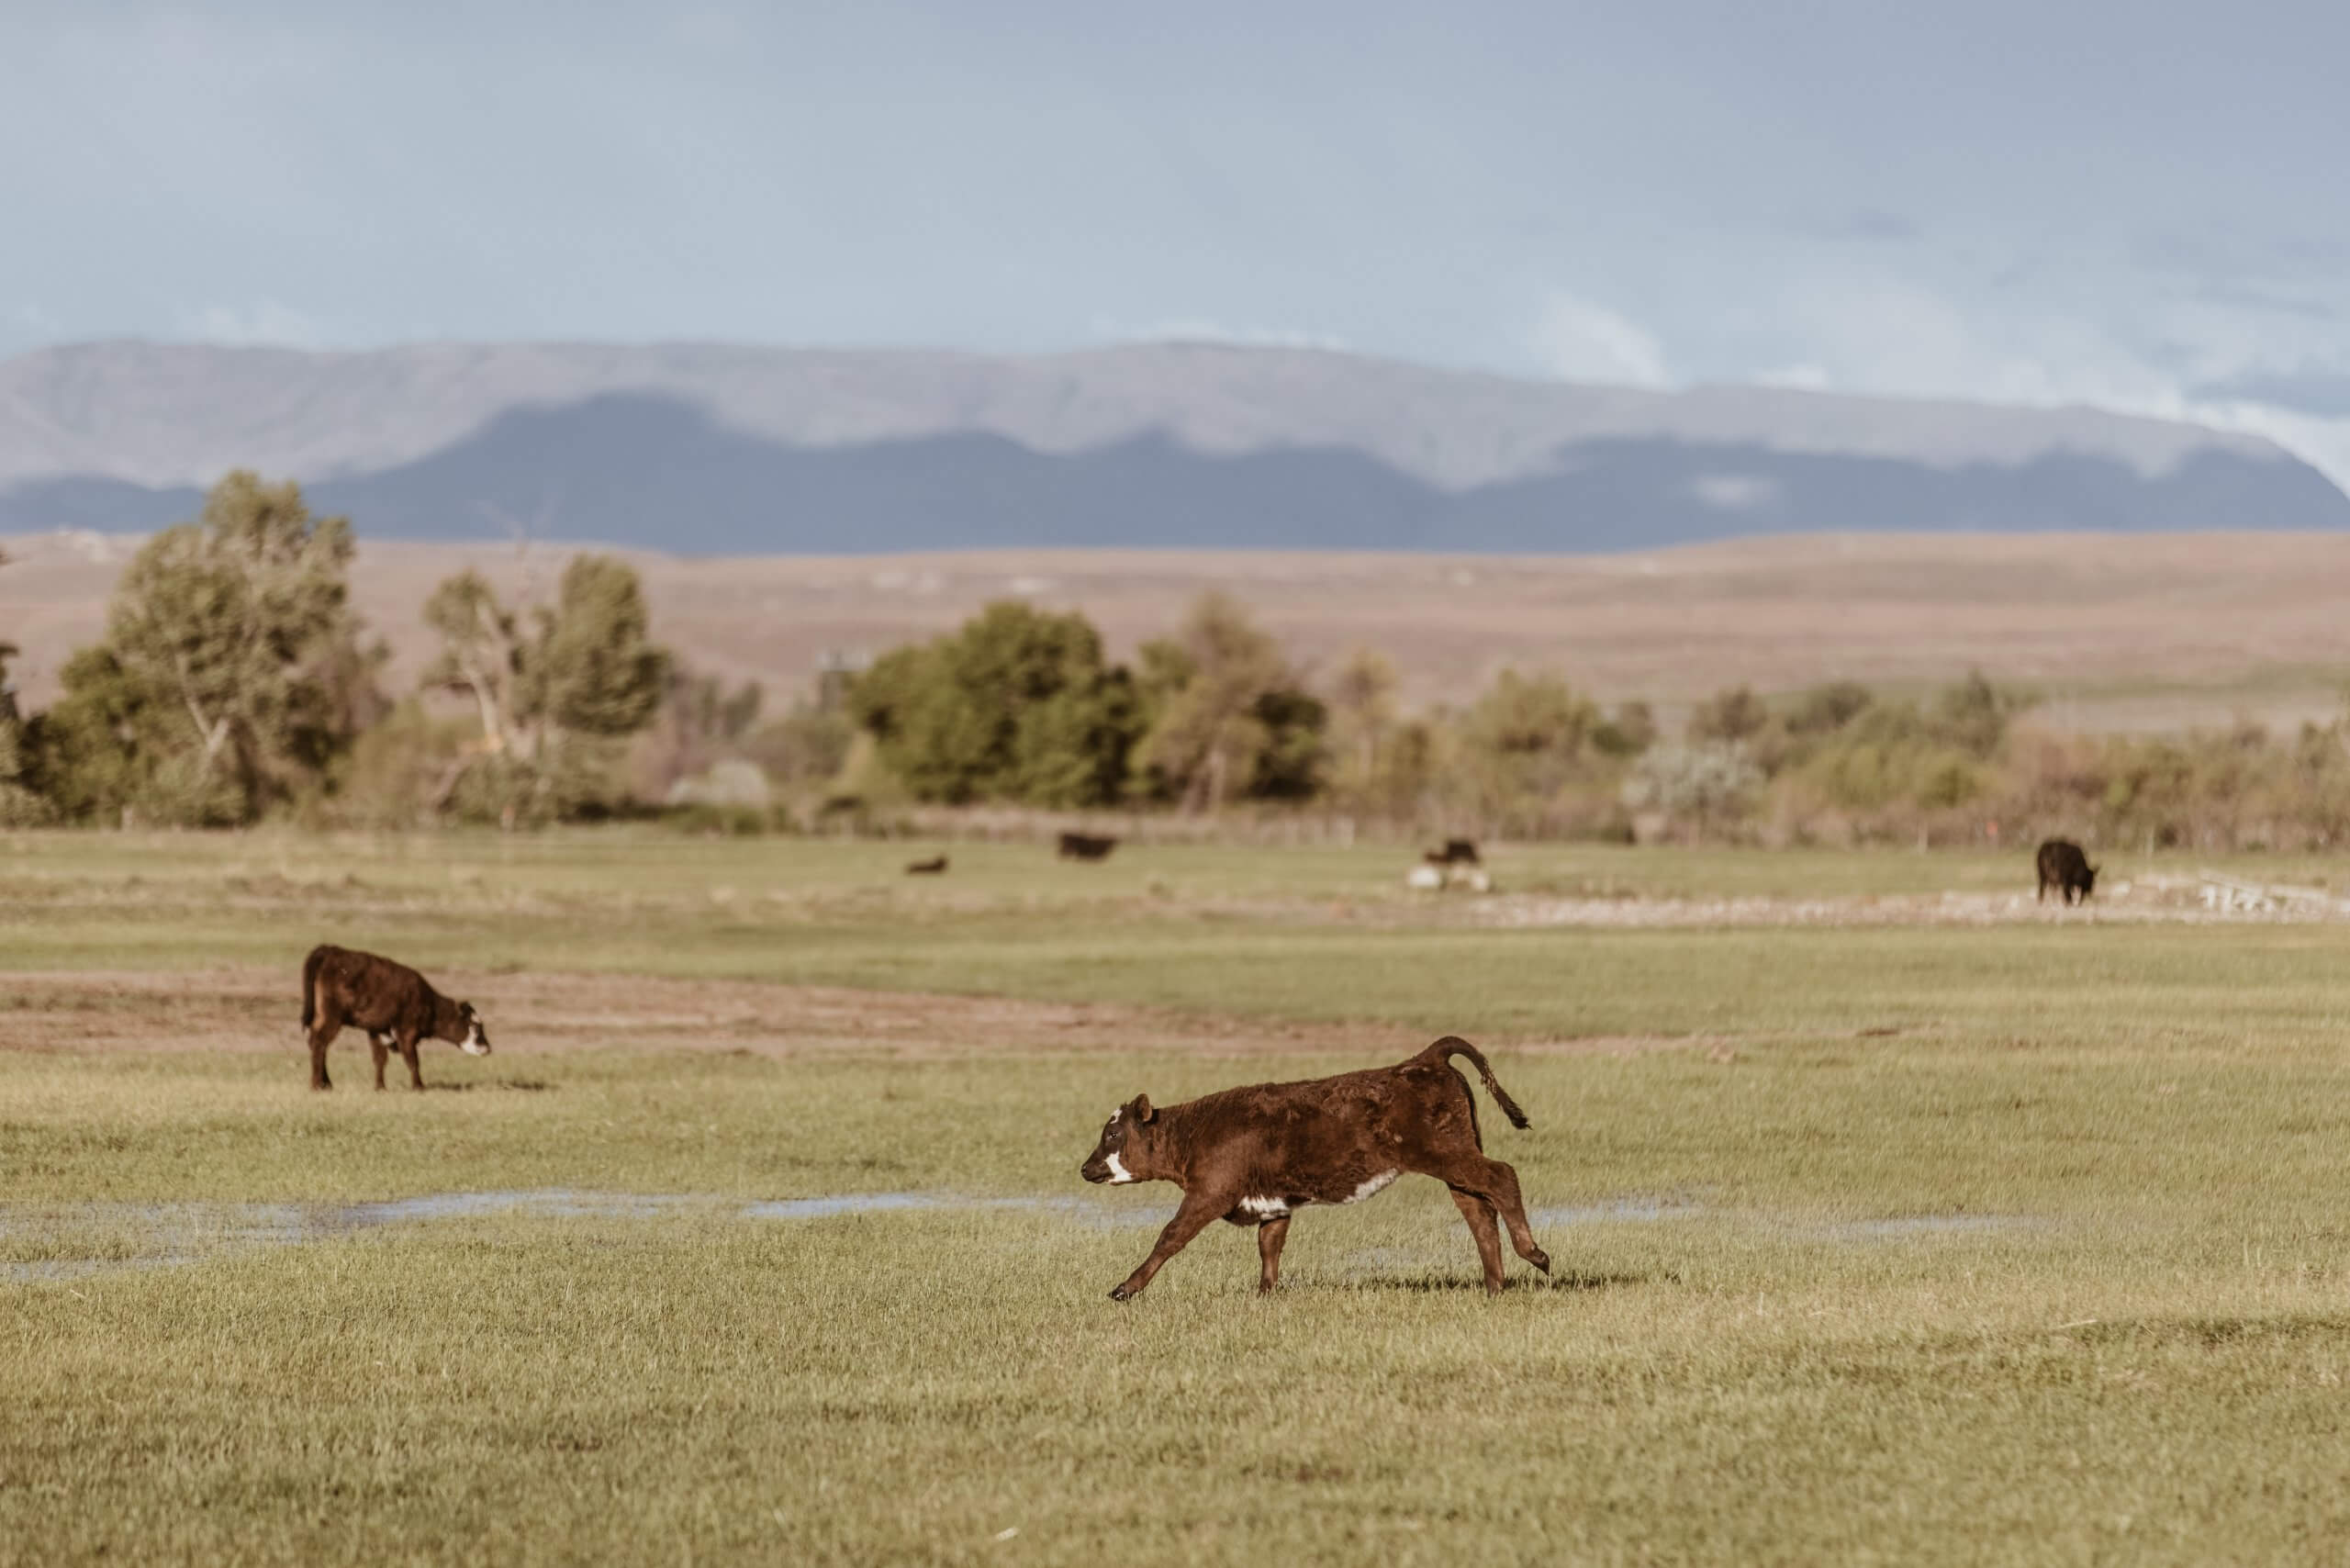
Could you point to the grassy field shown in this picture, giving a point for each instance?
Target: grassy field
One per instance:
(1874, 1241)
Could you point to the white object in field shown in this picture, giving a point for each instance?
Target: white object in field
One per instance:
(1427, 877)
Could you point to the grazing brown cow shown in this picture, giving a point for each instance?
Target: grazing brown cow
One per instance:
(2062, 866)
(929, 868)
(1086, 846)
(1455, 852)
(390, 1001)
(1257, 1155)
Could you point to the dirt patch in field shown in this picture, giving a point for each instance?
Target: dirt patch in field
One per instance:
(535, 1014)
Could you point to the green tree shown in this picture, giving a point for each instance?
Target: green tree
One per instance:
(1733, 713)
(107, 746)
(1523, 742)
(595, 670)
(556, 698)
(230, 678)
(1629, 732)
(1018, 704)
(1362, 724)
(807, 746)
(1229, 717)
(21, 804)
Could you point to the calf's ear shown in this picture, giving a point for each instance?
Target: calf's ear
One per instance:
(1143, 1111)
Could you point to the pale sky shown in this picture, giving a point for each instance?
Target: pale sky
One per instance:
(2137, 204)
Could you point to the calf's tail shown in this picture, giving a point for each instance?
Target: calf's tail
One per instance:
(311, 985)
(1454, 1045)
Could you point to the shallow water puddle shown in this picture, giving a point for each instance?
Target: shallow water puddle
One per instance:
(164, 1235)
(173, 1234)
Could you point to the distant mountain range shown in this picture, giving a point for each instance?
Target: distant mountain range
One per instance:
(719, 449)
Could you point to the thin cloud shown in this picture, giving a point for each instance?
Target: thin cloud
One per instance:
(1197, 330)
(1577, 340)
(264, 324)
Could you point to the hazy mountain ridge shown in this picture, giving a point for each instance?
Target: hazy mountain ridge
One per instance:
(729, 449)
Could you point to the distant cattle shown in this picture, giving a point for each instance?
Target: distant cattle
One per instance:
(2063, 866)
(1086, 846)
(390, 1001)
(929, 868)
(1455, 852)
(1255, 1156)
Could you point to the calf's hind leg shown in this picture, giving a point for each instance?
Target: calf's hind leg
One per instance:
(1486, 1229)
(322, 1034)
(1496, 1182)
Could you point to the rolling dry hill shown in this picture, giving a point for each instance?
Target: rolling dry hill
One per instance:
(2155, 632)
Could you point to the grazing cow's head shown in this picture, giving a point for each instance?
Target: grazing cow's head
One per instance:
(473, 1040)
(2089, 877)
(1125, 1152)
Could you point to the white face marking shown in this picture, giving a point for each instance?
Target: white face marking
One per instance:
(1265, 1208)
(1371, 1188)
(473, 1045)
(1119, 1174)
(1116, 1115)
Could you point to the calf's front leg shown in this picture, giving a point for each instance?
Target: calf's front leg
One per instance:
(1269, 1237)
(1194, 1216)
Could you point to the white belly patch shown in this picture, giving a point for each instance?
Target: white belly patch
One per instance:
(1373, 1187)
(1265, 1208)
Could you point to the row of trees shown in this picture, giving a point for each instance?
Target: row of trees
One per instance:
(1022, 705)
(234, 682)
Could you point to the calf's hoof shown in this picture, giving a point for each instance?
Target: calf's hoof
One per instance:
(1121, 1293)
(1540, 1259)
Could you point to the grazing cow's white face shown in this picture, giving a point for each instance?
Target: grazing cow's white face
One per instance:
(475, 1043)
(1117, 1157)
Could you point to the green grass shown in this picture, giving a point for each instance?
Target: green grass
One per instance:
(2056, 1272)
(2141, 1356)
(644, 865)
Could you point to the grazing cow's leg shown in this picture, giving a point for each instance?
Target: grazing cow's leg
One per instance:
(2041, 896)
(1483, 1226)
(1194, 1216)
(408, 1052)
(382, 1049)
(322, 1034)
(1269, 1237)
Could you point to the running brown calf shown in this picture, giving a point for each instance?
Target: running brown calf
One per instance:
(1257, 1155)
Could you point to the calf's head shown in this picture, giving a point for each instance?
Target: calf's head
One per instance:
(461, 1026)
(1126, 1152)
